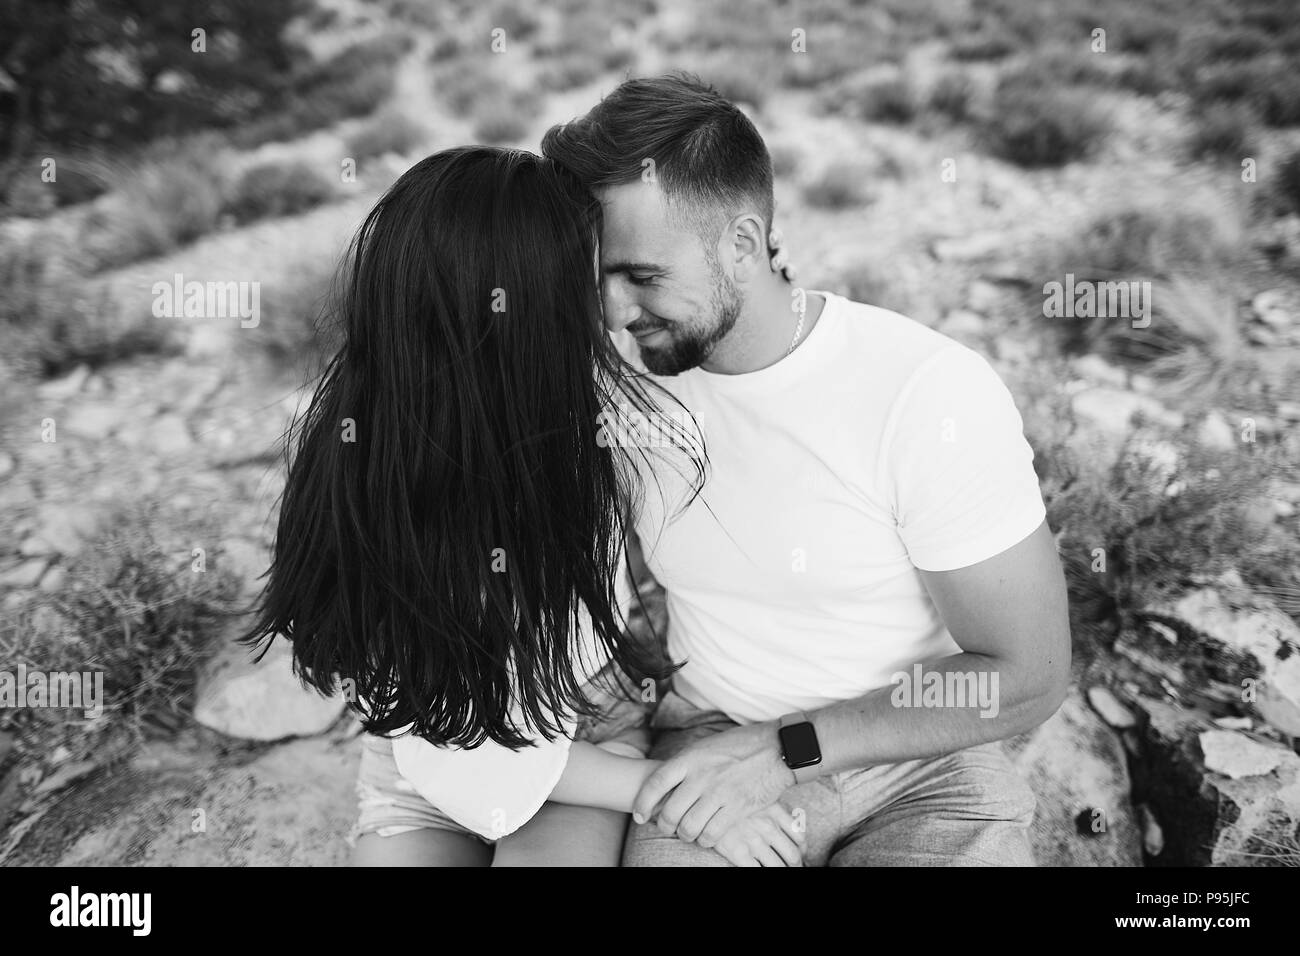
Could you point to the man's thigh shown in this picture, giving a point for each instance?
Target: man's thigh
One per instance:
(969, 808)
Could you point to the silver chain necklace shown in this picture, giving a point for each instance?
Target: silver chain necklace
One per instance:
(798, 329)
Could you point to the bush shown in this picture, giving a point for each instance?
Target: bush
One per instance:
(1221, 132)
(1033, 124)
(568, 72)
(1270, 87)
(879, 99)
(951, 96)
(785, 160)
(1144, 239)
(1285, 190)
(739, 80)
(277, 189)
(173, 199)
(353, 83)
(501, 128)
(1155, 542)
(389, 132)
(841, 186)
(133, 609)
(990, 44)
(45, 330)
(78, 179)
(297, 324)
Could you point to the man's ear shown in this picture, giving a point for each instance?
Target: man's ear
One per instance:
(745, 246)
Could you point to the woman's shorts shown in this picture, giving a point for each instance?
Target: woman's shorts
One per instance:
(388, 803)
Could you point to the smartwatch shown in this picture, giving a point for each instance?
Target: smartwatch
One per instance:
(799, 747)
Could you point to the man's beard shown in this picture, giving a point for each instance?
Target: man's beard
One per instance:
(688, 347)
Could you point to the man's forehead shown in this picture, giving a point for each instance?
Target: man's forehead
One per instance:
(637, 222)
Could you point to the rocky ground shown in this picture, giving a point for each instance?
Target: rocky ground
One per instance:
(1155, 758)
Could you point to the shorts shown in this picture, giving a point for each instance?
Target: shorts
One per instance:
(388, 804)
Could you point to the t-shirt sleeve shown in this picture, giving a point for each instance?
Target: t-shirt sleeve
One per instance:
(957, 464)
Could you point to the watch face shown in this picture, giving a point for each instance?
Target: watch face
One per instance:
(799, 746)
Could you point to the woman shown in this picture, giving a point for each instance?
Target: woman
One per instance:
(450, 536)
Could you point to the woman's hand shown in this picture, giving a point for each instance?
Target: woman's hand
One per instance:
(769, 837)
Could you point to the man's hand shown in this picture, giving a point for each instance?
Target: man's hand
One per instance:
(768, 838)
(715, 783)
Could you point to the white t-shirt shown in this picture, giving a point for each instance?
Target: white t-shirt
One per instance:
(492, 789)
(878, 447)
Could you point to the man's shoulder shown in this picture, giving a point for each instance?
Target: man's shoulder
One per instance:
(887, 348)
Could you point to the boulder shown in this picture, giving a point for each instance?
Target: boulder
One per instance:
(262, 700)
(1246, 642)
(1077, 769)
(1209, 818)
(291, 805)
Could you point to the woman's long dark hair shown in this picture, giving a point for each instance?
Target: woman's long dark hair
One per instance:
(451, 507)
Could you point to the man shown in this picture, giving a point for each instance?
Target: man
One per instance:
(865, 593)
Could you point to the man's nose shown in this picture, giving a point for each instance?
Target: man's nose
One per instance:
(620, 308)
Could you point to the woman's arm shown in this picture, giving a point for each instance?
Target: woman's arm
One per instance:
(595, 776)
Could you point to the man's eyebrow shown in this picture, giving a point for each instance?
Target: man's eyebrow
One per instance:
(614, 268)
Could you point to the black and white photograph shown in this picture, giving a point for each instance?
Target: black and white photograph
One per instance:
(651, 434)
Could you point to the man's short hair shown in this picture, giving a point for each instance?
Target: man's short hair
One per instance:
(709, 159)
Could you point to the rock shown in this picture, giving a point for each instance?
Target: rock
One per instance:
(1076, 766)
(247, 560)
(1096, 369)
(1107, 705)
(1274, 308)
(1142, 384)
(984, 297)
(65, 387)
(6, 745)
(962, 322)
(260, 701)
(23, 575)
(1111, 410)
(1207, 818)
(1153, 838)
(291, 806)
(1248, 637)
(54, 579)
(1236, 755)
(969, 248)
(171, 436)
(62, 529)
(96, 421)
(65, 775)
(1215, 432)
(1234, 723)
(1262, 335)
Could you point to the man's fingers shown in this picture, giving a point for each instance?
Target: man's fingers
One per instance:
(766, 856)
(655, 788)
(721, 822)
(676, 807)
(785, 846)
(696, 820)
